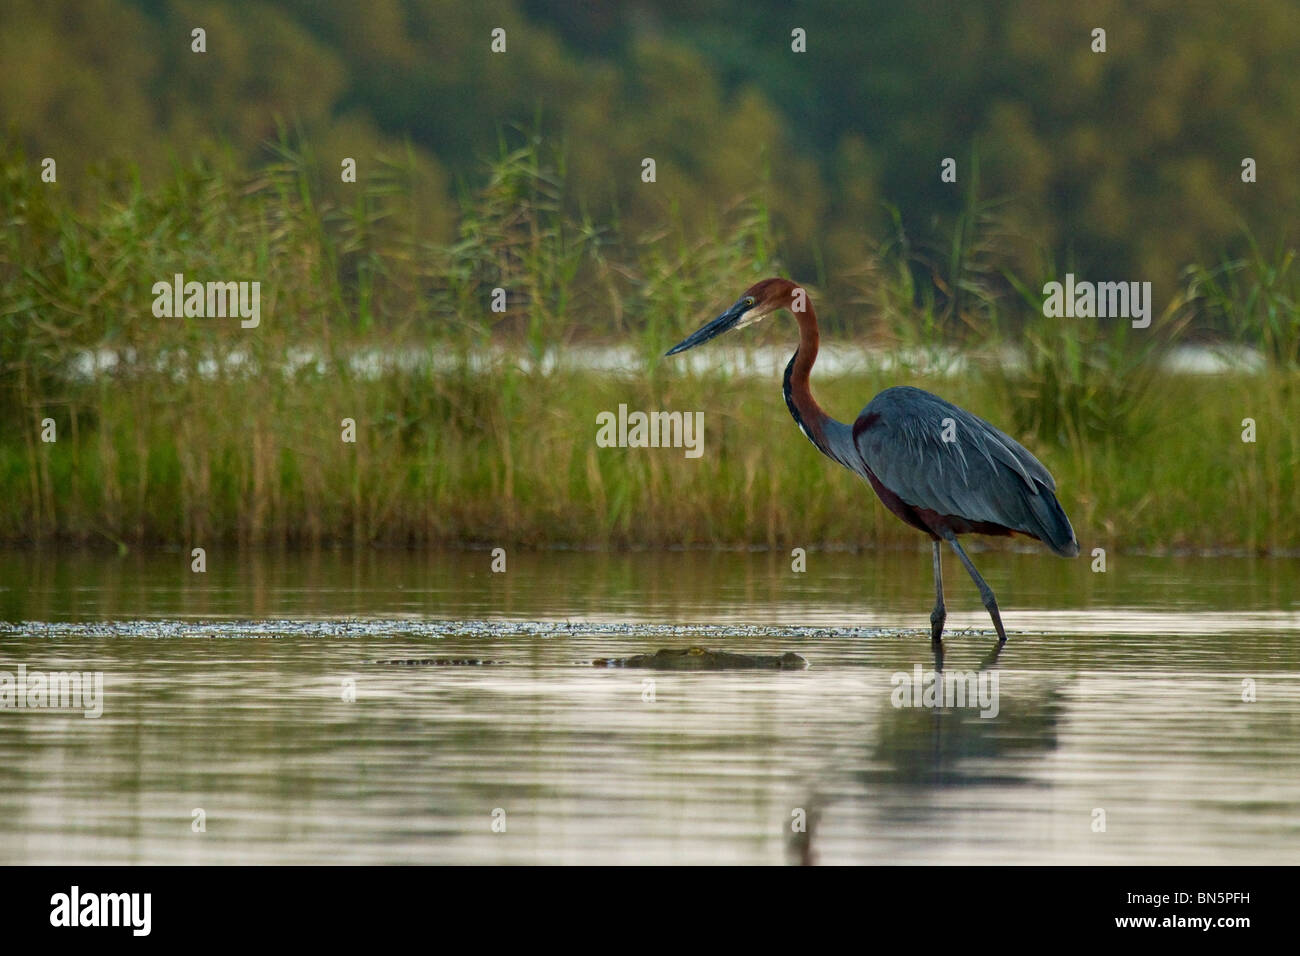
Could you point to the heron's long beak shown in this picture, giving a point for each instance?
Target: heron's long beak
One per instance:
(723, 323)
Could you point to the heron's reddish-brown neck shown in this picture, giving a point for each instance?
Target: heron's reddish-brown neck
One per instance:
(807, 414)
(801, 368)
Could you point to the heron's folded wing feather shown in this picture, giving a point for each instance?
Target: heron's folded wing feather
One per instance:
(935, 455)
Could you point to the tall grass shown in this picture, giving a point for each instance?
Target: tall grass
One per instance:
(188, 431)
(1257, 295)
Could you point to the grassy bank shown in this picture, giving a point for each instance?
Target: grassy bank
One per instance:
(506, 458)
(174, 443)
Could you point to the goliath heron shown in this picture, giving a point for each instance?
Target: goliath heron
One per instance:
(939, 468)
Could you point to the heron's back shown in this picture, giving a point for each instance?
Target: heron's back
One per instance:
(957, 471)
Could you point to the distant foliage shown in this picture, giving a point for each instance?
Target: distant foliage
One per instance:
(1126, 162)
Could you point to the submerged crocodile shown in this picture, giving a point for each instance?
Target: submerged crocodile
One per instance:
(668, 659)
(701, 659)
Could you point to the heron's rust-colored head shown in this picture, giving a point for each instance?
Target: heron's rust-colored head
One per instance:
(759, 301)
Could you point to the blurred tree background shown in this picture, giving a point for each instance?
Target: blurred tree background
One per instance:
(1125, 164)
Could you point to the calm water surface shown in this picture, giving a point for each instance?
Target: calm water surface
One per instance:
(1119, 701)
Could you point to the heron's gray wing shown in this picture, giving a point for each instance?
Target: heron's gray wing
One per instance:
(935, 455)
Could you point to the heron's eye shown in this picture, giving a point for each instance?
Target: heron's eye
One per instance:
(749, 300)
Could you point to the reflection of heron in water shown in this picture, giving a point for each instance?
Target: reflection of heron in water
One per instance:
(903, 784)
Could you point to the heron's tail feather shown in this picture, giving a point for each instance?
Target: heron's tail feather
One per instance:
(1053, 527)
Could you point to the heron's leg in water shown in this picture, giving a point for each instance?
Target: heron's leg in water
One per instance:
(940, 613)
(986, 592)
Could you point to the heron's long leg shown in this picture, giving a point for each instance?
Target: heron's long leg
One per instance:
(986, 592)
(939, 614)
